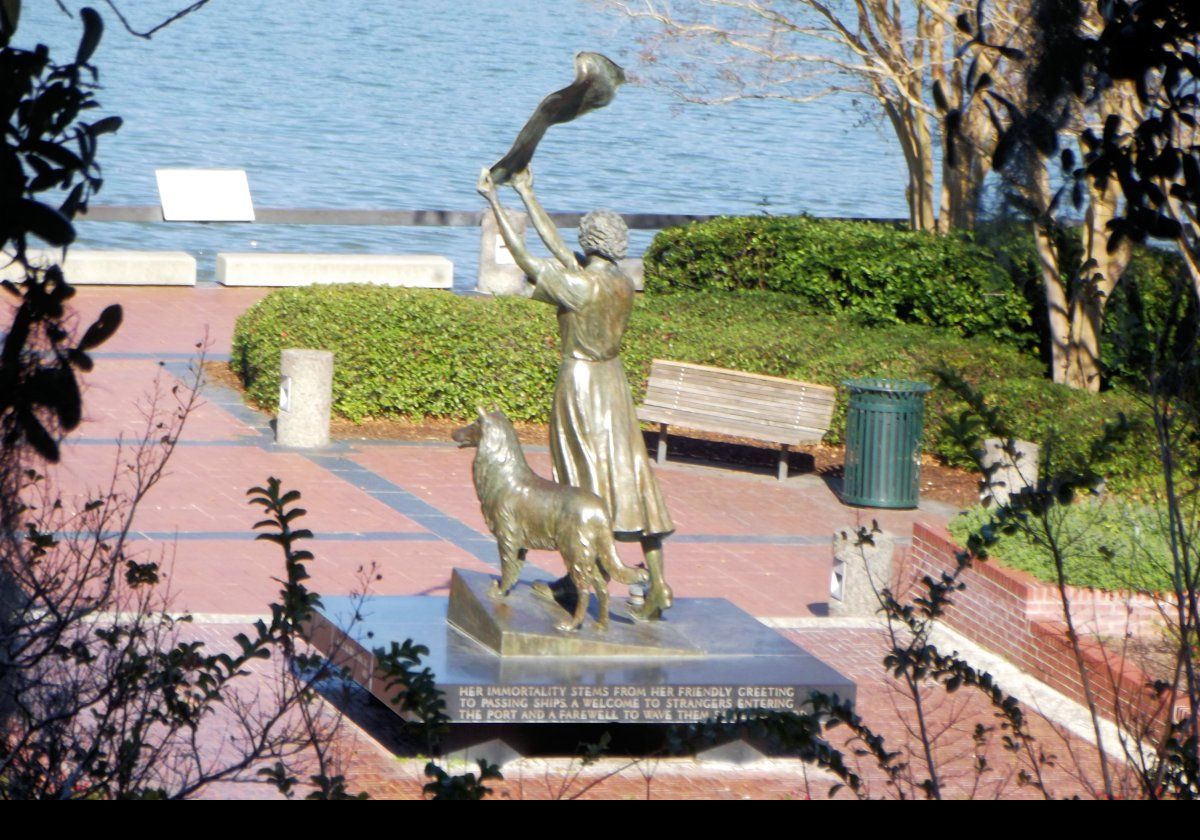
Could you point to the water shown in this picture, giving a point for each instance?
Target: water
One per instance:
(340, 104)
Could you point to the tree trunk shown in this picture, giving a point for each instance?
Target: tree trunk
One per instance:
(1083, 351)
(961, 186)
(962, 181)
(1098, 276)
(1058, 316)
(1189, 238)
(912, 130)
(1075, 317)
(1102, 266)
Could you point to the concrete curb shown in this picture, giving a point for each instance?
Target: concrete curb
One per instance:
(427, 271)
(115, 268)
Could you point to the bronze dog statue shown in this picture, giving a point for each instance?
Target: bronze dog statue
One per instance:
(524, 511)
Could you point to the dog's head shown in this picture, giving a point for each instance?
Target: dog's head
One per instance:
(491, 431)
(487, 424)
(469, 436)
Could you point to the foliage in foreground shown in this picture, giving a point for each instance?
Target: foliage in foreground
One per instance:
(413, 353)
(918, 768)
(1154, 757)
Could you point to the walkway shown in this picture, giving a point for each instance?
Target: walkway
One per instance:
(409, 511)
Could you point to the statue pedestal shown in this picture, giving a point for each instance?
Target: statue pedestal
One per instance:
(706, 657)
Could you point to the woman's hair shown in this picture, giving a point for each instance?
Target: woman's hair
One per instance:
(604, 232)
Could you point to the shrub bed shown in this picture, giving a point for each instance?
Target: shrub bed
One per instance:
(415, 353)
(1107, 545)
(880, 273)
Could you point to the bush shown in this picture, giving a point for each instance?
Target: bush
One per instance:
(879, 273)
(413, 353)
(406, 353)
(1107, 545)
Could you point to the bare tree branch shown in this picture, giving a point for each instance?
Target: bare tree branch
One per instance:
(147, 34)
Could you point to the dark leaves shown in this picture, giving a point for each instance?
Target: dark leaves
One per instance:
(36, 435)
(46, 223)
(103, 328)
(939, 97)
(93, 28)
(1004, 149)
(108, 125)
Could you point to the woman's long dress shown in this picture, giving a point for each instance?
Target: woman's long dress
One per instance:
(595, 440)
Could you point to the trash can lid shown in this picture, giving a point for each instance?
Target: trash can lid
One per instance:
(880, 385)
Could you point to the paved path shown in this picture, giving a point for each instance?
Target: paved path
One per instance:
(408, 510)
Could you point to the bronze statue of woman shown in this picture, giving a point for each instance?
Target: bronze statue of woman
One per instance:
(595, 440)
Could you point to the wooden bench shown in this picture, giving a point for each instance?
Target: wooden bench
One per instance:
(730, 402)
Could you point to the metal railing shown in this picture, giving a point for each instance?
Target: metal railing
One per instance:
(404, 218)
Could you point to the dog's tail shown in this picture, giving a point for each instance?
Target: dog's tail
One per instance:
(610, 561)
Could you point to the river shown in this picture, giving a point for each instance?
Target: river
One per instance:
(341, 104)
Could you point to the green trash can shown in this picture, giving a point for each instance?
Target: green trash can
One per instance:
(884, 422)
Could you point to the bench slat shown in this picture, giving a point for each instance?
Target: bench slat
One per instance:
(657, 392)
(754, 391)
(729, 402)
(771, 396)
(753, 431)
(787, 416)
(747, 389)
(736, 375)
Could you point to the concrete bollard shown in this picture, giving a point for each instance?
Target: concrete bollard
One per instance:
(1004, 476)
(305, 395)
(635, 270)
(860, 572)
(499, 273)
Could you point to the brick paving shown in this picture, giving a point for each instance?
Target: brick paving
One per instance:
(408, 511)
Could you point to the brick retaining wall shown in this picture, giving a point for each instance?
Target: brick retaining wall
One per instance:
(1013, 614)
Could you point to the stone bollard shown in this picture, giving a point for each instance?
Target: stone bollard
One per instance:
(859, 573)
(1002, 475)
(635, 270)
(305, 394)
(499, 273)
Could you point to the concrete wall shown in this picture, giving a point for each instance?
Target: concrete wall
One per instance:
(115, 268)
(427, 271)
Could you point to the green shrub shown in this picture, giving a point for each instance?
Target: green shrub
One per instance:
(879, 273)
(1106, 545)
(400, 352)
(415, 353)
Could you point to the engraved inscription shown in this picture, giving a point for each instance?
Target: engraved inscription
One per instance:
(617, 703)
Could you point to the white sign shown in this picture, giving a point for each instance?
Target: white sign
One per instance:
(837, 584)
(285, 393)
(204, 195)
(503, 255)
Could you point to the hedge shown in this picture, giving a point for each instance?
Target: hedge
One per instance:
(414, 353)
(879, 273)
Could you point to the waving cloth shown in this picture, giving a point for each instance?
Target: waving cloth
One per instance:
(596, 81)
